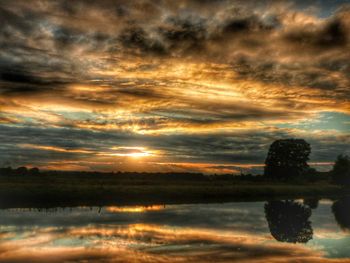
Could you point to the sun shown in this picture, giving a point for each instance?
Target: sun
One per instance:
(138, 154)
(133, 152)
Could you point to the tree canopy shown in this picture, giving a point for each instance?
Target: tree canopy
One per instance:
(341, 170)
(287, 159)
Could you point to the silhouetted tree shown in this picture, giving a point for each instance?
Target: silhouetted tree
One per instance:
(287, 159)
(341, 170)
(341, 211)
(34, 171)
(21, 170)
(289, 221)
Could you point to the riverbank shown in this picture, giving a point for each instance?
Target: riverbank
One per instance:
(51, 191)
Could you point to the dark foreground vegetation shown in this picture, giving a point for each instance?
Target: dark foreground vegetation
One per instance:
(49, 189)
(286, 175)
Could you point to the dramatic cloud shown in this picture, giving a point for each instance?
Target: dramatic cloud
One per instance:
(199, 85)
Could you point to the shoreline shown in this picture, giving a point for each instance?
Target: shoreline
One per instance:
(48, 196)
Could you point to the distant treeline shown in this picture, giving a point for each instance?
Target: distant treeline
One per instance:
(23, 171)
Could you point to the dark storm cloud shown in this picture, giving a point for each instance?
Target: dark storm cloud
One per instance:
(18, 77)
(63, 37)
(17, 81)
(12, 21)
(250, 24)
(332, 34)
(137, 38)
(184, 34)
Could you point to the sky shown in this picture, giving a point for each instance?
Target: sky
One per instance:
(171, 86)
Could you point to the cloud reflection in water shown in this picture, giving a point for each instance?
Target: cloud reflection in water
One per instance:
(161, 235)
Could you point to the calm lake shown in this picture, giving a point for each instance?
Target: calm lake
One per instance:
(276, 231)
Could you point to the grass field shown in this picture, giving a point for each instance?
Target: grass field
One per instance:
(78, 190)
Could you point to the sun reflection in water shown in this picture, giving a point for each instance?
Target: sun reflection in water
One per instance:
(134, 209)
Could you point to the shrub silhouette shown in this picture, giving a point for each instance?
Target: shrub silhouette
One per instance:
(287, 159)
(289, 221)
(341, 170)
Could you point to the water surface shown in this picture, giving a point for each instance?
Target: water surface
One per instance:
(277, 231)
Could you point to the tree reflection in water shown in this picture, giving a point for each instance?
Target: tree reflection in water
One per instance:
(289, 221)
(311, 202)
(341, 211)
